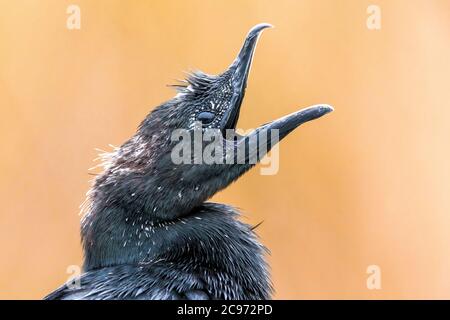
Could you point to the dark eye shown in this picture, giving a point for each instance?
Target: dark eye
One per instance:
(206, 117)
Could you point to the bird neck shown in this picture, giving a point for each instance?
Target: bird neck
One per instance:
(142, 207)
(207, 236)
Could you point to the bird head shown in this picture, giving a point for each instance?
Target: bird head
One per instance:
(143, 173)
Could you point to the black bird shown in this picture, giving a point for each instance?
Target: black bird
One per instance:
(147, 232)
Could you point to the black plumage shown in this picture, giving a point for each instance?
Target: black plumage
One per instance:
(147, 231)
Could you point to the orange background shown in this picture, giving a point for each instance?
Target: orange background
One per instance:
(367, 184)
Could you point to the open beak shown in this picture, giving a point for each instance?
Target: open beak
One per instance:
(261, 140)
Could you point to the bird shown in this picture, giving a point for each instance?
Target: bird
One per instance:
(148, 231)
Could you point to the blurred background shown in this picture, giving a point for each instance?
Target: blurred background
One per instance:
(366, 185)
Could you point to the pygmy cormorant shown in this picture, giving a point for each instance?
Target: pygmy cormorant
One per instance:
(148, 232)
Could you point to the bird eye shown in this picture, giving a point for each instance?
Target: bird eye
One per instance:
(206, 117)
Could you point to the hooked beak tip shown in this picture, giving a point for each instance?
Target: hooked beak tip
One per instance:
(256, 30)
